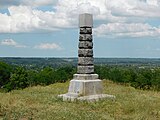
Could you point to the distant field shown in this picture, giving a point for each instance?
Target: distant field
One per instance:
(56, 62)
(41, 103)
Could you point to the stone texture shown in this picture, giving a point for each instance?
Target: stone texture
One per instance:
(85, 90)
(85, 30)
(85, 76)
(85, 60)
(85, 87)
(85, 69)
(85, 53)
(85, 20)
(85, 45)
(85, 37)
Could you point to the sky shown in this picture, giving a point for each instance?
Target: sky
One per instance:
(49, 28)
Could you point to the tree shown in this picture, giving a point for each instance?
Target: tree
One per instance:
(5, 71)
(18, 79)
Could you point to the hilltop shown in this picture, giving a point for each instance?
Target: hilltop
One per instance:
(41, 103)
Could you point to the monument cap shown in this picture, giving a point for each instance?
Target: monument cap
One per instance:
(85, 20)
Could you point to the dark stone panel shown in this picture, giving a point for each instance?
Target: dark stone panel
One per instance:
(85, 44)
(85, 30)
(85, 37)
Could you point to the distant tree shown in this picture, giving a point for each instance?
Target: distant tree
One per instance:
(46, 76)
(33, 77)
(60, 75)
(156, 79)
(128, 75)
(116, 75)
(5, 71)
(18, 79)
(102, 71)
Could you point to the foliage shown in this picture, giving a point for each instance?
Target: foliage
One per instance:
(5, 71)
(142, 78)
(20, 77)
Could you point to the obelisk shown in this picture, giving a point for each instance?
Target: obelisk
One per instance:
(85, 85)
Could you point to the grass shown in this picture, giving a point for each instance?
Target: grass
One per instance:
(41, 103)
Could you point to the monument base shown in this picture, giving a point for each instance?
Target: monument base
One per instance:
(89, 98)
(89, 90)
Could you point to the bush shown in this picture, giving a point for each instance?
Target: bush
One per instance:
(18, 80)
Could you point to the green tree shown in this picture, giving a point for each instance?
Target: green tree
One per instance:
(128, 75)
(5, 71)
(115, 75)
(46, 76)
(18, 79)
(156, 79)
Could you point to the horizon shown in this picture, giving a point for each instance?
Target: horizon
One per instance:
(77, 57)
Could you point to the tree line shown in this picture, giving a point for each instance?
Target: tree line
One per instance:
(18, 77)
(137, 77)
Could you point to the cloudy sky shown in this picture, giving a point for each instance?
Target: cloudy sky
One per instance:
(49, 28)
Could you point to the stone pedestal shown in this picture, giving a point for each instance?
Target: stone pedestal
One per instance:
(85, 90)
(85, 84)
(85, 87)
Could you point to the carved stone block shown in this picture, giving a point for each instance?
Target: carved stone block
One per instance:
(85, 30)
(85, 53)
(85, 69)
(85, 44)
(85, 60)
(85, 37)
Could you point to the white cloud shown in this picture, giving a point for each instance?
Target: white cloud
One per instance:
(136, 8)
(153, 2)
(48, 46)
(71, 8)
(127, 30)
(36, 3)
(26, 19)
(65, 15)
(11, 42)
(32, 3)
(4, 23)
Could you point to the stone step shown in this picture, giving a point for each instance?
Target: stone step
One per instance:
(85, 76)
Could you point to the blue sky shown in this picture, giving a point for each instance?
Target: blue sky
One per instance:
(49, 28)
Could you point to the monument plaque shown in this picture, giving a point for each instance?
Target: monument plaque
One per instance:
(85, 85)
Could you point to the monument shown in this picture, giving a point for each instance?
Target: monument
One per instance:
(85, 85)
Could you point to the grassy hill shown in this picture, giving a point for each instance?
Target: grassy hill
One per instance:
(41, 103)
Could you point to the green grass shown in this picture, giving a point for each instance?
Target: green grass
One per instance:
(41, 103)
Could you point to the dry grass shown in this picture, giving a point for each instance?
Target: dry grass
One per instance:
(41, 103)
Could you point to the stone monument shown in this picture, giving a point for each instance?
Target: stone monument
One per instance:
(85, 85)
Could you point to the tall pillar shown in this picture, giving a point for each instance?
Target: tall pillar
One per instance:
(85, 85)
